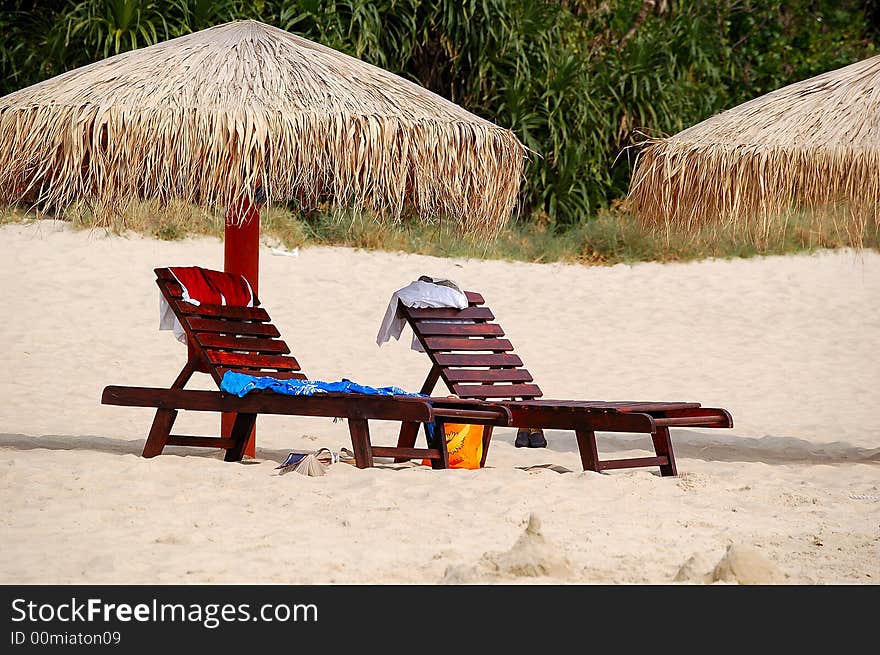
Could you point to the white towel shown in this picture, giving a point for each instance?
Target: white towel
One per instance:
(425, 292)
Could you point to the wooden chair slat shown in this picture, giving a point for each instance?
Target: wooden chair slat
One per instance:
(199, 324)
(434, 313)
(249, 344)
(463, 343)
(474, 298)
(461, 329)
(239, 360)
(488, 375)
(174, 289)
(494, 359)
(281, 375)
(497, 390)
(223, 311)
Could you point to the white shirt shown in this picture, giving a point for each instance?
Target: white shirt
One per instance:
(426, 292)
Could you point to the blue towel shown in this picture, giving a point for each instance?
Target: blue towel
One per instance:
(240, 384)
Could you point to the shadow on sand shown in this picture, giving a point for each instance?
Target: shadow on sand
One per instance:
(688, 444)
(115, 446)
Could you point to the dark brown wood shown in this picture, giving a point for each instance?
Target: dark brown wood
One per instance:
(221, 311)
(250, 344)
(488, 375)
(704, 421)
(431, 314)
(494, 359)
(489, 415)
(527, 415)
(360, 442)
(587, 446)
(632, 462)
(663, 448)
(239, 360)
(430, 381)
(241, 432)
(487, 439)
(461, 329)
(405, 454)
(442, 461)
(701, 411)
(160, 430)
(463, 343)
(342, 405)
(184, 375)
(653, 407)
(457, 369)
(406, 439)
(255, 349)
(198, 324)
(497, 390)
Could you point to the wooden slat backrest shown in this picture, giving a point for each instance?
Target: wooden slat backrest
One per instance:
(229, 338)
(469, 353)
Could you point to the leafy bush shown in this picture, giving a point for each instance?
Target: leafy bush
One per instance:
(578, 81)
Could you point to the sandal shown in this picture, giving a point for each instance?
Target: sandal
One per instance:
(536, 439)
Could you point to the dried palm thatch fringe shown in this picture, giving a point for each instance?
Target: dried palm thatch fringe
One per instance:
(809, 146)
(213, 116)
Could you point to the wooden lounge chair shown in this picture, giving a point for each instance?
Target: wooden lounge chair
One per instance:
(469, 354)
(224, 338)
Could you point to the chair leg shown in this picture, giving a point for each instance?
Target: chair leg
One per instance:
(440, 438)
(587, 446)
(407, 438)
(487, 438)
(159, 432)
(241, 432)
(663, 448)
(164, 419)
(360, 442)
(183, 377)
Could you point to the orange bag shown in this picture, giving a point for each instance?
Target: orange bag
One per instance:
(464, 443)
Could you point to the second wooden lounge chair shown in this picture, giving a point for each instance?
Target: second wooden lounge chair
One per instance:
(224, 338)
(469, 354)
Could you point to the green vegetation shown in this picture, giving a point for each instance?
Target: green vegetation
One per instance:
(579, 81)
(611, 238)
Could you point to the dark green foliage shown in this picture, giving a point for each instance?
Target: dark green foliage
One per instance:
(578, 81)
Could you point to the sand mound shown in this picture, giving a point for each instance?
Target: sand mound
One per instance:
(532, 556)
(746, 565)
(741, 564)
(694, 570)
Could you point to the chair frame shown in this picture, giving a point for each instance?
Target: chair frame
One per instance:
(243, 339)
(495, 378)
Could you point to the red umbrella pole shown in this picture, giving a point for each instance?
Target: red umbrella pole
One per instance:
(241, 254)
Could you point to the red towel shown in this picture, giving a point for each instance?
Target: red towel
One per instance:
(204, 286)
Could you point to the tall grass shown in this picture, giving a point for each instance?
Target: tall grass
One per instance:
(612, 237)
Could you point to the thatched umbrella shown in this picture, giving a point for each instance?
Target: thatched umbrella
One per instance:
(244, 113)
(241, 110)
(804, 146)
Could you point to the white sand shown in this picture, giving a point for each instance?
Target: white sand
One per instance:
(788, 344)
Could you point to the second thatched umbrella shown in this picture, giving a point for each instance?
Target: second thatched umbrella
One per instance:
(804, 146)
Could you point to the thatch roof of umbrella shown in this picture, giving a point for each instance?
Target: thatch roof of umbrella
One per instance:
(803, 146)
(219, 113)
